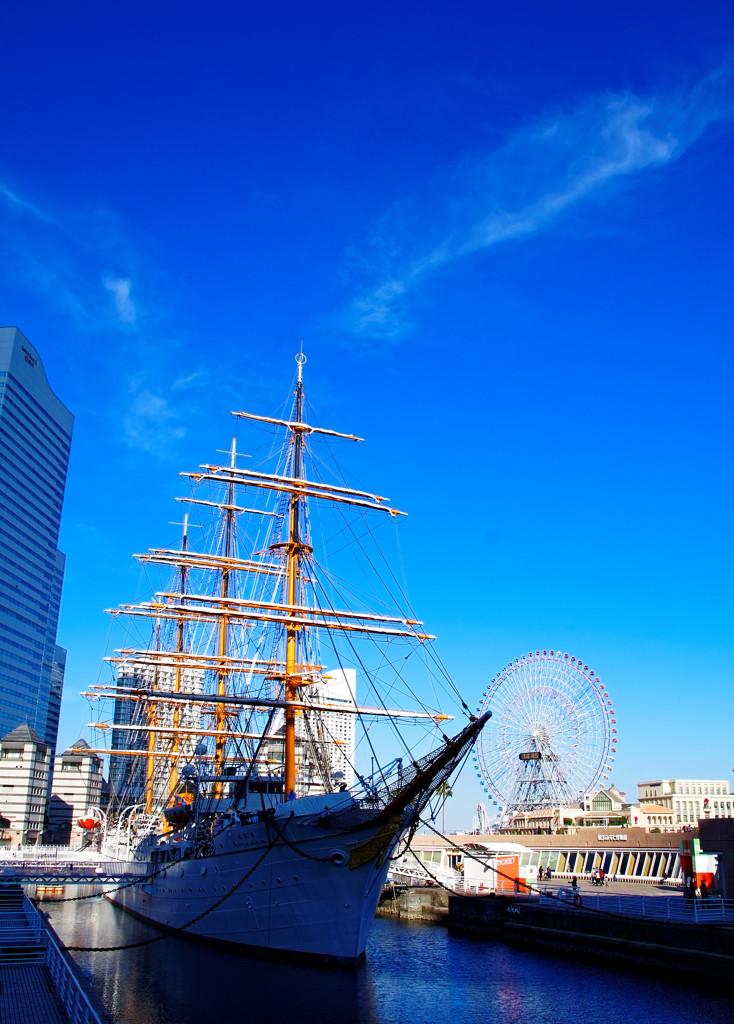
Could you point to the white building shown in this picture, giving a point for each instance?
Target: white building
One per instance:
(688, 799)
(76, 787)
(325, 740)
(653, 816)
(132, 724)
(601, 806)
(25, 765)
(339, 687)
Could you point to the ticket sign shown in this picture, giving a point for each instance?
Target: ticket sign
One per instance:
(507, 873)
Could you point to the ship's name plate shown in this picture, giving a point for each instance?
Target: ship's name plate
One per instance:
(612, 839)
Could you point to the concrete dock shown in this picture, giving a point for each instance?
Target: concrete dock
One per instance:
(653, 931)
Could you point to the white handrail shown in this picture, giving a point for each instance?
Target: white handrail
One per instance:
(71, 994)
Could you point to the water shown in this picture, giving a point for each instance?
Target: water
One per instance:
(415, 974)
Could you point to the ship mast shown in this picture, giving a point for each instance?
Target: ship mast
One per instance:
(152, 719)
(294, 551)
(281, 608)
(180, 629)
(222, 716)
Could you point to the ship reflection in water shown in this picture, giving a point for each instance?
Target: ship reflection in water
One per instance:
(414, 974)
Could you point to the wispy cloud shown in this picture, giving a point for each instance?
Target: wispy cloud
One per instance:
(66, 256)
(196, 379)
(150, 422)
(525, 186)
(120, 288)
(16, 201)
(86, 266)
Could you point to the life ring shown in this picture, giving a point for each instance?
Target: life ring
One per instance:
(577, 901)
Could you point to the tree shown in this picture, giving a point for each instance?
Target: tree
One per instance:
(444, 791)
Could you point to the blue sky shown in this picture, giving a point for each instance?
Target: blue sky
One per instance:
(503, 234)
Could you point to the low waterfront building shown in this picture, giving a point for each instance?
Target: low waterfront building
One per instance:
(675, 805)
(653, 816)
(25, 767)
(76, 787)
(601, 807)
(688, 799)
(630, 854)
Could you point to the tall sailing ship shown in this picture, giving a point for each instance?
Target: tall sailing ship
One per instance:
(272, 734)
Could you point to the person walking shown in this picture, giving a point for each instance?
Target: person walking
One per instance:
(692, 891)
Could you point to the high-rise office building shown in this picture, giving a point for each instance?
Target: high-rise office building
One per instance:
(35, 436)
(129, 775)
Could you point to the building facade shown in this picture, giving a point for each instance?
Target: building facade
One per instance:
(35, 437)
(76, 787)
(325, 739)
(339, 687)
(625, 854)
(132, 732)
(599, 807)
(689, 800)
(25, 768)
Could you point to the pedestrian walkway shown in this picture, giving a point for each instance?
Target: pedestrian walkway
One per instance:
(37, 983)
(27, 995)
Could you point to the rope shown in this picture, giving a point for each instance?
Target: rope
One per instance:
(307, 856)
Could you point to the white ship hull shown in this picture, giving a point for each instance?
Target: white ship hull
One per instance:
(312, 893)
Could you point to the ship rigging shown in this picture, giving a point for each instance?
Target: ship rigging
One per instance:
(268, 683)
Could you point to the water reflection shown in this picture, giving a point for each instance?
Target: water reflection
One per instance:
(414, 974)
(175, 981)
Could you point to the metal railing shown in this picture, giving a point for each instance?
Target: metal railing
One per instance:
(47, 853)
(70, 871)
(73, 997)
(24, 939)
(653, 908)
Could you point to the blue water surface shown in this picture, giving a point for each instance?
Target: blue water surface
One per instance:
(414, 974)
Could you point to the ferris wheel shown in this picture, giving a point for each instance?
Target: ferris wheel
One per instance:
(553, 735)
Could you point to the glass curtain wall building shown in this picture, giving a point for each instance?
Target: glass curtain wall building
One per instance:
(35, 437)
